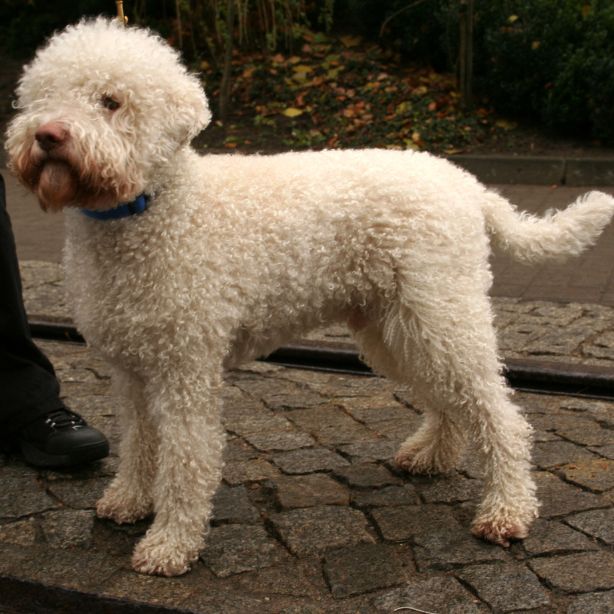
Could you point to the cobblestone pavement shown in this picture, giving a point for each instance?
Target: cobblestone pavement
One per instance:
(312, 515)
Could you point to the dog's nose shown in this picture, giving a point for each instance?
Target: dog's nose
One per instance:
(51, 135)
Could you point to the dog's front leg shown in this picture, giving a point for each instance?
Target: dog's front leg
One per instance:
(186, 409)
(129, 497)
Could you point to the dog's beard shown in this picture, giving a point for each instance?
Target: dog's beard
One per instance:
(57, 185)
(58, 182)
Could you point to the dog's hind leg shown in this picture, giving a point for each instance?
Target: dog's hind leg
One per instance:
(449, 328)
(185, 406)
(129, 496)
(438, 445)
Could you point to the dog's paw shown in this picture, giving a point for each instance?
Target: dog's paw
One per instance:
(499, 532)
(424, 460)
(502, 524)
(123, 506)
(158, 555)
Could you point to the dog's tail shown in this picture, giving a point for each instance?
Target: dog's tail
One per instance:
(553, 237)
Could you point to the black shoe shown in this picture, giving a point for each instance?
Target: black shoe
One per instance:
(61, 438)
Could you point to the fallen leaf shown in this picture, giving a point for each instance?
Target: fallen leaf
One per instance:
(505, 124)
(351, 41)
(292, 112)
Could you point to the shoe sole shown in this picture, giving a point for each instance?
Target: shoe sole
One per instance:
(78, 456)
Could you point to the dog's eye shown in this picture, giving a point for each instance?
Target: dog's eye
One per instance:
(108, 102)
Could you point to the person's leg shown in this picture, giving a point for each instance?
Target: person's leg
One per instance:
(28, 386)
(32, 415)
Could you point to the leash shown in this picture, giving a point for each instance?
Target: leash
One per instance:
(120, 12)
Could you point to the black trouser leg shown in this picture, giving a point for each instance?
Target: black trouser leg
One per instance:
(28, 385)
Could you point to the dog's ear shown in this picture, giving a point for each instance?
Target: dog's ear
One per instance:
(189, 109)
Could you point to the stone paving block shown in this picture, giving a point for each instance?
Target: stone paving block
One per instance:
(76, 569)
(556, 342)
(290, 439)
(369, 451)
(601, 411)
(506, 587)
(592, 435)
(315, 529)
(299, 577)
(604, 451)
(68, 528)
(20, 533)
(297, 398)
(141, 590)
(555, 453)
(362, 568)
(242, 417)
(309, 491)
(249, 471)
(563, 421)
(449, 489)
(559, 498)
(598, 523)
(596, 603)
(233, 505)
(235, 548)
(371, 416)
(596, 474)
(397, 430)
(448, 547)
(387, 496)
(78, 494)
(265, 429)
(308, 460)
(549, 536)
(231, 603)
(442, 594)
(577, 573)
(405, 521)
(331, 425)
(238, 450)
(21, 493)
(367, 475)
(361, 405)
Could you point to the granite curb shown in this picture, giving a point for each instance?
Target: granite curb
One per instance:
(538, 170)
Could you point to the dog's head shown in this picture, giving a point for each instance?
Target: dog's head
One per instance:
(101, 109)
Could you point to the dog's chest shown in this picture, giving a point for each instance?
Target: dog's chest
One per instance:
(119, 289)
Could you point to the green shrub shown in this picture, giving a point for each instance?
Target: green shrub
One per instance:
(550, 60)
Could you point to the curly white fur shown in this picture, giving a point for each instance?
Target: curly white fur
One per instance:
(237, 254)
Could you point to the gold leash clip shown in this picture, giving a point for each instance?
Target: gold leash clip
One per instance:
(120, 12)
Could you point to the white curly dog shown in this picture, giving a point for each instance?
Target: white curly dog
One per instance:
(223, 257)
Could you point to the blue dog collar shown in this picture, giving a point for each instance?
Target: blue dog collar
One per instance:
(136, 207)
